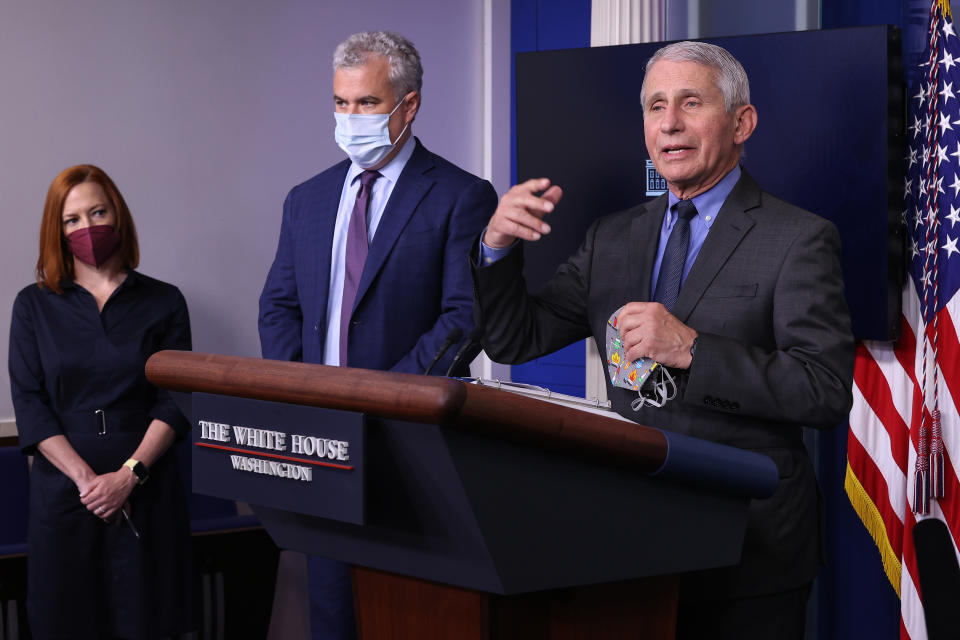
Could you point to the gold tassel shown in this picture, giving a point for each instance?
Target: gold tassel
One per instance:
(870, 516)
(945, 9)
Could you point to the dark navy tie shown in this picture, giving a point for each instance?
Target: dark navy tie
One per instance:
(675, 256)
(357, 245)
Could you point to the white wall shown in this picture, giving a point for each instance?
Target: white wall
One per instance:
(205, 113)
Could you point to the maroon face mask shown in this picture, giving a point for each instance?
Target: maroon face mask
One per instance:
(94, 245)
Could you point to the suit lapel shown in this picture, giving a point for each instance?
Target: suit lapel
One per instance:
(644, 238)
(324, 220)
(410, 189)
(733, 223)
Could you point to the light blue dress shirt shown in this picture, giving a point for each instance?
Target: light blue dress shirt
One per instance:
(382, 189)
(708, 206)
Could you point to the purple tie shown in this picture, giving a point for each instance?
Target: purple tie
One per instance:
(356, 256)
(675, 256)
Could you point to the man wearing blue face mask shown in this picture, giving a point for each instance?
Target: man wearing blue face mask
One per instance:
(371, 266)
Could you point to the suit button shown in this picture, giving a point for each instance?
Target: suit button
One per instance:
(354, 323)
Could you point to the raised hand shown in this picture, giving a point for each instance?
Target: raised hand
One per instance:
(520, 213)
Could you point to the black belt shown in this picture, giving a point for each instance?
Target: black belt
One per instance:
(114, 419)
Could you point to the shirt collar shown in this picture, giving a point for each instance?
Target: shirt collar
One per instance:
(392, 170)
(130, 281)
(709, 202)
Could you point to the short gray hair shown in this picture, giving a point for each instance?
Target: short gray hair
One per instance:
(730, 77)
(406, 72)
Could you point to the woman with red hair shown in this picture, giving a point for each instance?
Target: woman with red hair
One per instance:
(108, 540)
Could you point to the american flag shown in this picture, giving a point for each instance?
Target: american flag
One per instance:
(904, 439)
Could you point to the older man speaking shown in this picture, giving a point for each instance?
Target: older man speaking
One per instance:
(738, 294)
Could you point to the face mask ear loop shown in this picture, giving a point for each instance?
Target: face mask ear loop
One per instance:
(394, 142)
(398, 105)
(664, 389)
(666, 386)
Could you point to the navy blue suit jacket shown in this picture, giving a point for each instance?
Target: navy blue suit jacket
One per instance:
(416, 284)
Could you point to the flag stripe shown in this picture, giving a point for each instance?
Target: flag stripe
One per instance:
(886, 490)
(911, 609)
(875, 389)
(885, 472)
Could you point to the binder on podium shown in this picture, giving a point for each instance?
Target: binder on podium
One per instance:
(467, 511)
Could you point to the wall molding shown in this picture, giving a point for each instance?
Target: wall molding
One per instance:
(8, 427)
(626, 22)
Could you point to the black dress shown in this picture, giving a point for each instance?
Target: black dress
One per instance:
(86, 578)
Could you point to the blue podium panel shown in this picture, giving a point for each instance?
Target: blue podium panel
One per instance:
(463, 509)
(294, 457)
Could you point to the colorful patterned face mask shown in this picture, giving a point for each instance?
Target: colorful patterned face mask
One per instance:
(653, 383)
(624, 373)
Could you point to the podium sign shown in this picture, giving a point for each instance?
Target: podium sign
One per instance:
(302, 459)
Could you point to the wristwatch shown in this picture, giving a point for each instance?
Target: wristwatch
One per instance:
(139, 469)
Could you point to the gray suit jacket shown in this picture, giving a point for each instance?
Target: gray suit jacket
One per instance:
(775, 350)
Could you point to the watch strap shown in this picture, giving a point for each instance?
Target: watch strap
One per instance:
(139, 470)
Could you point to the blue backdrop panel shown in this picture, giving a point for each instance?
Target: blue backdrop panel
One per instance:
(829, 140)
(562, 371)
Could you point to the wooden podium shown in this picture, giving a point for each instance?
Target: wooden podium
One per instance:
(466, 511)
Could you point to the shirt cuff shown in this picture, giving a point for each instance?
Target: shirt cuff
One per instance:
(488, 255)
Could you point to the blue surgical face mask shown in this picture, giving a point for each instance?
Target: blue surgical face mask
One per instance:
(365, 138)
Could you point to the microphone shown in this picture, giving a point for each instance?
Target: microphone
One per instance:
(473, 340)
(452, 338)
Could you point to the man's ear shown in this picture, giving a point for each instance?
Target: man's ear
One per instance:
(411, 106)
(745, 121)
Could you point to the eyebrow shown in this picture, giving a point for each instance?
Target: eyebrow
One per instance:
(686, 93)
(680, 93)
(369, 98)
(102, 205)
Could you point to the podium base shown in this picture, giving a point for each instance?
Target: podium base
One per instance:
(393, 607)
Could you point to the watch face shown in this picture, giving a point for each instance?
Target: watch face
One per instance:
(140, 470)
